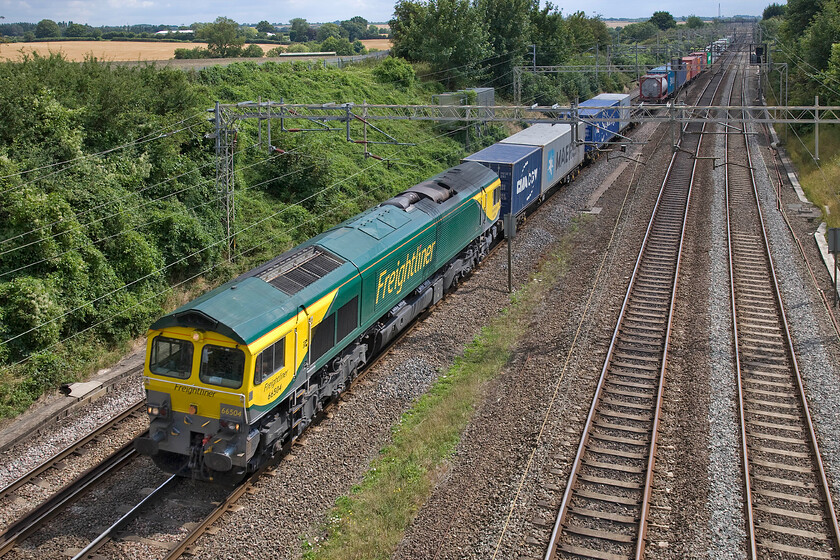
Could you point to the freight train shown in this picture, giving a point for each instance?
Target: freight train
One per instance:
(663, 82)
(236, 374)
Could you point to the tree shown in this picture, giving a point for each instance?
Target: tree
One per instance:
(773, 10)
(586, 31)
(330, 30)
(47, 28)
(75, 30)
(824, 31)
(265, 27)
(338, 45)
(663, 20)
(798, 16)
(508, 25)
(299, 31)
(372, 32)
(638, 32)
(448, 34)
(252, 51)
(551, 33)
(831, 76)
(356, 28)
(694, 22)
(222, 37)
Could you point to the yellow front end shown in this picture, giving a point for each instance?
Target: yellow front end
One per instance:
(197, 389)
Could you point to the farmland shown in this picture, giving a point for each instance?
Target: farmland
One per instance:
(122, 50)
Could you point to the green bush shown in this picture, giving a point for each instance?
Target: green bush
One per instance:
(29, 303)
(275, 51)
(340, 46)
(197, 52)
(252, 51)
(396, 71)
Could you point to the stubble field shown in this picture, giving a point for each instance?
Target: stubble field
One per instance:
(122, 50)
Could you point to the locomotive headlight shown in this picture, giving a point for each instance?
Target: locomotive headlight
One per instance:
(229, 425)
(162, 411)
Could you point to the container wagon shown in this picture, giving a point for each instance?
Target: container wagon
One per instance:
(561, 155)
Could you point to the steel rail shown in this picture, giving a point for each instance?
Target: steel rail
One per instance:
(560, 524)
(32, 521)
(793, 369)
(105, 536)
(71, 449)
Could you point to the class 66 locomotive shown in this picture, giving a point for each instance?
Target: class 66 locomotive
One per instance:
(233, 376)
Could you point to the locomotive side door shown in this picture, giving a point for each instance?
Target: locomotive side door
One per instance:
(303, 334)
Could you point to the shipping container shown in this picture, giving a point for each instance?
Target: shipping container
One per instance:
(560, 153)
(653, 87)
(688, 62)
(598, 132)
(701, 59)
(676, 75)
(518, 168)
(623, 101)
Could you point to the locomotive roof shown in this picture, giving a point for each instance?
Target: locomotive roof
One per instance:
(251, 305)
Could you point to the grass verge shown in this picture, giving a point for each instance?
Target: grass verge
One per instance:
(820, 183)
(370, 522)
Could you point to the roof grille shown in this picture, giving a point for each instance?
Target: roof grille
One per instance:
(300, 269)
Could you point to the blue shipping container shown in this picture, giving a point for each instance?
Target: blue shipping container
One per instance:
(518, 168)
(599, 132)
(678, 70)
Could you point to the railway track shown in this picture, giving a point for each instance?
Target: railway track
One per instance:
(55, 504)
(604, 509)
(69, 493)
(58, 461)
(788, 504)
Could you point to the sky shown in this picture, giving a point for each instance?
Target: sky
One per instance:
(172, 12)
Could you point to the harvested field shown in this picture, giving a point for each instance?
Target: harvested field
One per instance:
(123, 50)
(380, 44)
(103, 50)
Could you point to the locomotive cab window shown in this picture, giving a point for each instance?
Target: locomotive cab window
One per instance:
(171, 357)
(270, 361)
(497, 195)
(222, 366)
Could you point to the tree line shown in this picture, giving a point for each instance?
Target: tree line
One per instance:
(297, 31)
(490, 37)
(226, 38)
(806, 34)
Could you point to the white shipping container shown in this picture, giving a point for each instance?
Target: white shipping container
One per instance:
(623, 102)
(560, 154)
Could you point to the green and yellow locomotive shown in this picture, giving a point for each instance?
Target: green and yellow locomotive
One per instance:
(234, 375)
